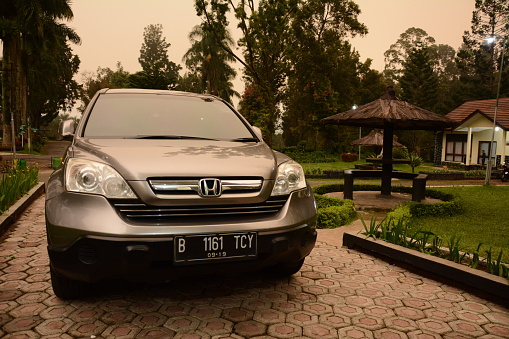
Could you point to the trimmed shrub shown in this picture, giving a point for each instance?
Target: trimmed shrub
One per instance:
(334, 212)
(401, 213)
(323, 201)
(451, 204)
(334, 216)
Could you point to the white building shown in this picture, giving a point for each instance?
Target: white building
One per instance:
(465, 144)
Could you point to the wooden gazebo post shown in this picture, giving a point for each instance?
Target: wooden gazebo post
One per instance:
(387, 159)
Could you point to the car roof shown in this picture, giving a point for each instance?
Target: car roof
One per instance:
(154, 91)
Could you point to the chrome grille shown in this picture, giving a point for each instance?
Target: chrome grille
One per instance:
(191, 186)
(138, 211)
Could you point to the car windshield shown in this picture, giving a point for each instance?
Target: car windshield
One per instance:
(153, 116)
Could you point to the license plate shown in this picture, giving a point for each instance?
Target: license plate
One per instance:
(204, 248)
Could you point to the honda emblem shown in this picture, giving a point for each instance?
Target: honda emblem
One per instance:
(209, 187)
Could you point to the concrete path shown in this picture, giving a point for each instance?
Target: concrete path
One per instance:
(339, 293)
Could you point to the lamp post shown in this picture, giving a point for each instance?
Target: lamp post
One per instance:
(490, 150)
(360, 133)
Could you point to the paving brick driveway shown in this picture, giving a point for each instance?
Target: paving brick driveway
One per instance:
(339, 293)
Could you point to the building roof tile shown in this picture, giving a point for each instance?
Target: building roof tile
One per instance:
(484, 107)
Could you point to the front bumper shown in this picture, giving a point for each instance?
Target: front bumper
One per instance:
(89, 241)
(93, 258)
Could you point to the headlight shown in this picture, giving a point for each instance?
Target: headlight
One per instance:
(86, 176)
(290, 177)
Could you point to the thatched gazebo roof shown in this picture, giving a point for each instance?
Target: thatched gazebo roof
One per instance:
(375, 138)
(390, 110)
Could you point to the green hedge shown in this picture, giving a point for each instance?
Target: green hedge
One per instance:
(450, 204)
(333, 212)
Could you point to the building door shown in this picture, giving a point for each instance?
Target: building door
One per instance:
(485, 146)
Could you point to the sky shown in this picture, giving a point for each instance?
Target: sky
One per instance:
(112, 30)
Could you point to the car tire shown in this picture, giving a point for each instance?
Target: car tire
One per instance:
(287, 269)
(66, 289)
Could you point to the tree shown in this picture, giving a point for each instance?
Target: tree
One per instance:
(158, 71)
(419, 86)
(398, 52)
(446, 69)
(51, 67)
(190, 82)
(251, 106)
(325, 75)
(264, 41)
(443, 66)
(419, 83)
(297, 63)
(210, 62)
(21, 24)
(104, 78)
(266, 36)
(478, 60)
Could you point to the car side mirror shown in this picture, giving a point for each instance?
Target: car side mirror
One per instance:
(258, 132)
(66, 129)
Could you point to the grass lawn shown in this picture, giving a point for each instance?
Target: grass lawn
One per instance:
(485, 220)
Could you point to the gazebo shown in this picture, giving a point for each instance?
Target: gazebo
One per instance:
(374, 139)
(390, 114)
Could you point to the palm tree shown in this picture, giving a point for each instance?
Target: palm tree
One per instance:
(211, 62)
(20, 20)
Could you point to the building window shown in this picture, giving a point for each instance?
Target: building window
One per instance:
(456, 147)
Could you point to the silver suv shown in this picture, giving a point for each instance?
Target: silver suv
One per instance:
(161, 184)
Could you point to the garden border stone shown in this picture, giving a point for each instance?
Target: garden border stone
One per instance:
(475, 278)
(12, 214)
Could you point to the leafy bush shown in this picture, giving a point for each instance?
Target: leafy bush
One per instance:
(400, 152)
(475, 173)
(349, 157)
(327, 188)
(15, 184)
(401, 213)
(313, 157)
(415, 161)
(334, 216)
(334, 212)
(323, 201)
(446, 208)
(313, 171)
(450, 204)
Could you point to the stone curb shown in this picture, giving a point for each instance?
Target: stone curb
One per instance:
(466, 275)
(13, 213)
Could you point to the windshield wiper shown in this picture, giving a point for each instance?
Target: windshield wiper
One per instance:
(168, 137)
(246, 139)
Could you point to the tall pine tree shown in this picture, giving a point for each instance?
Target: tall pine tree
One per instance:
(158, 71)
(419, 83)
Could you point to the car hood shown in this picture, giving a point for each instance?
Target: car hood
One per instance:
(139, 159)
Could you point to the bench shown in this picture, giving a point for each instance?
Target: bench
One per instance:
(418, 182)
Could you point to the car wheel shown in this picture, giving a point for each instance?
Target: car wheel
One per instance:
(65, 288)
(288, 269)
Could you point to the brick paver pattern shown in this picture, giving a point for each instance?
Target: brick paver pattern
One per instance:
(339, 293)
